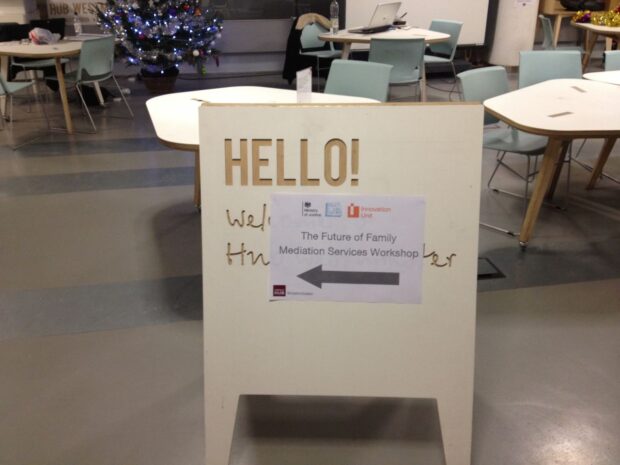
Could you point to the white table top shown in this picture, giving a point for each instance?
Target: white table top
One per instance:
(402, 33)
(175, 116)
(561, 107)
(610, 77)
(62, 48)
(603, 30)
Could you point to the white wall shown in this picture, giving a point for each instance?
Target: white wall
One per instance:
(473, 14)
(19, 11)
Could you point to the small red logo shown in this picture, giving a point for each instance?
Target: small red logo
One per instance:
(279, 290)
(353, 211)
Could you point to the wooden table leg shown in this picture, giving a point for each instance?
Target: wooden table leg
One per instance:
(543, 181)
(558, 171)
(591, 38)
(4, 70)
(346, 51)
(423, 82)
(63, 95)
(197, 200)
(600, 163)
(557, 24)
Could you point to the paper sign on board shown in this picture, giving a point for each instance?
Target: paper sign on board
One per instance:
(351, 248)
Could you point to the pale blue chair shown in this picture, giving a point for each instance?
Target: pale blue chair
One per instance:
(359, 79)
(96, 64)
(536, 66)
(547, 29)
(542, 65)
(9, 90)
(406, 56)
(443, 52)
(612, 60)
(312, 46)
(484, 83)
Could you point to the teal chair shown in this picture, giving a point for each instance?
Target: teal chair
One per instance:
(312, 46)
(484, 83)
(359, 79)
(96, 64)
(547, 29)
(9, 90)
(612, 60)
(542, 65)
(406, 56)
(443, 52)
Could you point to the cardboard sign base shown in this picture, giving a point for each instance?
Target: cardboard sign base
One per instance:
(290, 430)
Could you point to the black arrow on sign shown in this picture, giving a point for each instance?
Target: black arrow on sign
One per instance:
(316, 276)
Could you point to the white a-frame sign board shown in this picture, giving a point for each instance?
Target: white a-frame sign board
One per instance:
(336, 345)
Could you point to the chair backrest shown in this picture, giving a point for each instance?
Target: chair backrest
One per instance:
(96, 58)
(541, 65)
(483, 83)
(310, 37)
(406, 56)
(448, 47)
(547, 32)
(359, 79)
(612, 60)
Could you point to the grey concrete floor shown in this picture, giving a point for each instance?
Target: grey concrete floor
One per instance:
(100, 305)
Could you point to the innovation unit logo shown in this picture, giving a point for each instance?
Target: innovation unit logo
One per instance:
(353, 211)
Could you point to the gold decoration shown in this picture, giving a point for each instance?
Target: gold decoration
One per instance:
(599, 18)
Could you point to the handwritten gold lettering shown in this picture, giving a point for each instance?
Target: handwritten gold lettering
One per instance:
(250, 220)
(242, 253)
(436, 259)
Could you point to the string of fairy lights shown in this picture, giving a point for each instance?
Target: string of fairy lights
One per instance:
(161, 34)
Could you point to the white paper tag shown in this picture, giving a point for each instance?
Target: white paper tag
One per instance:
(304, 85)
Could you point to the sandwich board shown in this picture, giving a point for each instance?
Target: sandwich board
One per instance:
(278, 179)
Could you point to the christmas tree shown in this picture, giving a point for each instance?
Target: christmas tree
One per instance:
(161, 34)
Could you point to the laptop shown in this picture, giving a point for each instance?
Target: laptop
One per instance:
(381, 20)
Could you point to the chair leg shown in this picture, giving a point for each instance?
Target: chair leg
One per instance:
(500, 159)
(318, 74)
(120, 91)
(77, 87)
(589, 168)
(41, 103)
(11, 114)
(527, 186)
(454, 84)
(3, 118)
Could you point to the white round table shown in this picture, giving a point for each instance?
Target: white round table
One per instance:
(56, 51)
(610, 77)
